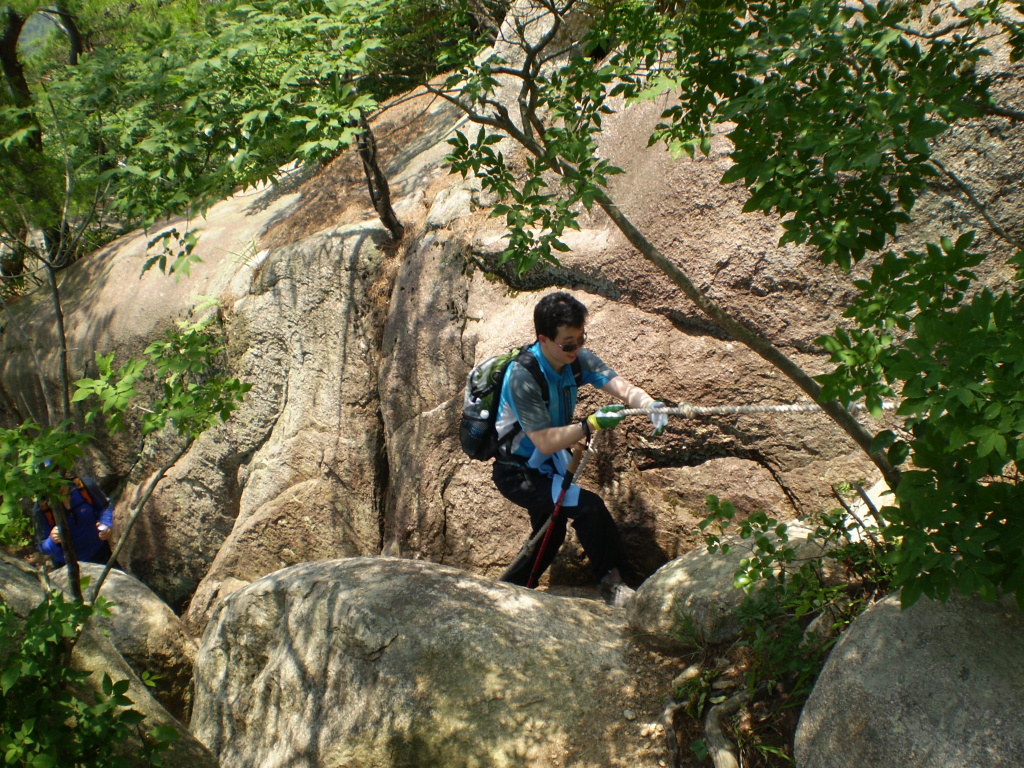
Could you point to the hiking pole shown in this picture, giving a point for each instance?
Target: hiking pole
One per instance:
(531, 545)
(577, 456)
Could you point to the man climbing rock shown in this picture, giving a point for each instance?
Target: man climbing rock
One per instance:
(535, 430)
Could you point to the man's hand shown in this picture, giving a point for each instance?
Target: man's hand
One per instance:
(606, 417)
(103, 532)
(55, 535)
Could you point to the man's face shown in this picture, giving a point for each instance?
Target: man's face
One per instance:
(565, 347)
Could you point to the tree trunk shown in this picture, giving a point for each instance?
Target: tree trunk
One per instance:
(65, 21)
(68, 547)
(376, 181)
(58, 311)
(13, 71)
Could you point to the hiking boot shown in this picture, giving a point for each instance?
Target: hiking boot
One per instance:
(614, 590)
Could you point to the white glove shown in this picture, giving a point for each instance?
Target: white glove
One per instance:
(659, 420)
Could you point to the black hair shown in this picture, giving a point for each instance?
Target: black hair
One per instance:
(557, 309)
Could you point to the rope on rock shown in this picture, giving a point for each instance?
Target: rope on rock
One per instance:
(696, 411)
(688, 412)
(693, 412)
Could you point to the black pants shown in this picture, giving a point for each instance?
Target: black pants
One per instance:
(591, 520)
(102, 554)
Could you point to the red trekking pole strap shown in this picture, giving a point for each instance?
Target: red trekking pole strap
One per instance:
(577, 455)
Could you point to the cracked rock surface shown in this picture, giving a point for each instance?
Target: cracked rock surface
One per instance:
(382, 662)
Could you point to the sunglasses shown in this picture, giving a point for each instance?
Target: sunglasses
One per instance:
(570, 347)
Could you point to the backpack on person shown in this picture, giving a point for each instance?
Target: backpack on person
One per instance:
(42, 515)
(478, 431)
(80, 485)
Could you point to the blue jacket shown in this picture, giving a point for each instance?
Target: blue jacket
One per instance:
(82, 519)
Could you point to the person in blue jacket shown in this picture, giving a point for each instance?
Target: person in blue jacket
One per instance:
(534, 433)
(90, 516)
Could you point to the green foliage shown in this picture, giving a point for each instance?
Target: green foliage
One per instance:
(696, 693)
(176, 108)
(48, 719)
(956, 355)
(700, 749)
(537, 211)
(774, 621)
(765, 533)
(194, 397)
(113, 390)
(23, 451)
(833, 112)
(202, 112)
(785, 594)
(178, 248)
(833, 109)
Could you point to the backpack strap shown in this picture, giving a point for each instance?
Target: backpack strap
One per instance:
(83, 490)
(530, 363)
(527, 359)
(577, 371)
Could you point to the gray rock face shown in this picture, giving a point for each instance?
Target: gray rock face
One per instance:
(935, 686)
(305, 336)
(372, 663)
(23, 588)
(691, 601)
(147, 633)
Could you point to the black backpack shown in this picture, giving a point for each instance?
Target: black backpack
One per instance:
(478, 431)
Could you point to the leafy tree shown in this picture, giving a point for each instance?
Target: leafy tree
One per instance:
(834, 112)
(177, 109)
(194, 397)
(798, 598)
(47, 717)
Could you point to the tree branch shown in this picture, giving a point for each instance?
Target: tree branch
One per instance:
(720, 749)
(937, 33)
(51, 275)
(376, 181)
(66, 23)
(855, 516)
(757, 343)
(150, 487)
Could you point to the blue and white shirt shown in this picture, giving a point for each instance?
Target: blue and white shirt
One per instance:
(521, 400)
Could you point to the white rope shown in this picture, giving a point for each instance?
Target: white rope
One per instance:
(693, 411)
(584, 459)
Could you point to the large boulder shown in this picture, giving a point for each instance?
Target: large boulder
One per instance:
(305, 336)
(24, 588)
(692, 601)
(381, 662)
(934, 686)
(146, 632)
